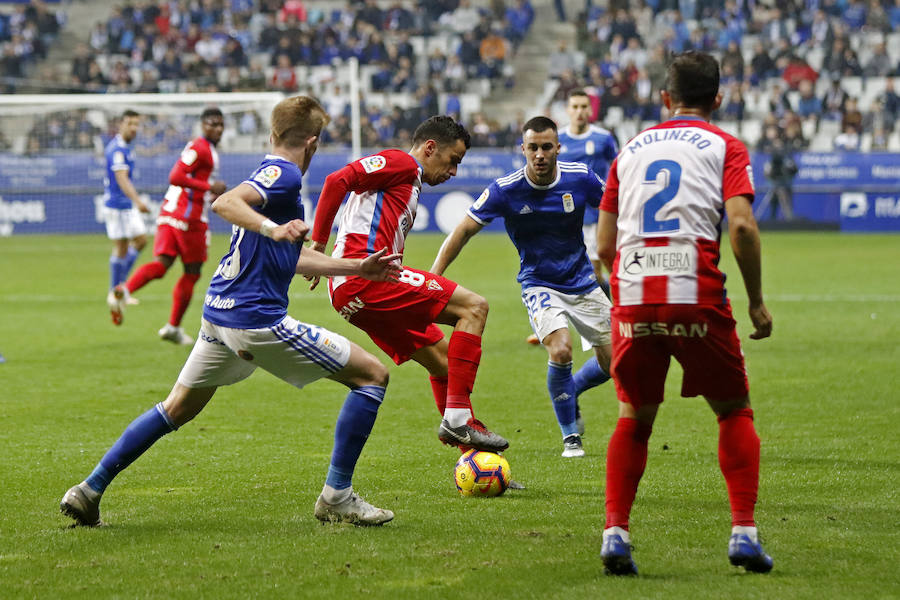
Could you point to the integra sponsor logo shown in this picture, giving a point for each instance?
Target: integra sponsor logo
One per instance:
(636, 330)
(219, 302)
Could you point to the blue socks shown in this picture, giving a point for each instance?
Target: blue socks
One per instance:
(133, 442)
(120, 267)
(354, 423)
(562, 392)
(117, 272)
(130, 257)
(591, 374)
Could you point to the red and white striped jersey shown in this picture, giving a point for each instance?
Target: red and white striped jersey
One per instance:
(384, 193)
(668, 186)
(185, 205)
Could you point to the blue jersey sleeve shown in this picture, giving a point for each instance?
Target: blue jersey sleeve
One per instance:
(489, 206)
(279, 185)
(594, 188)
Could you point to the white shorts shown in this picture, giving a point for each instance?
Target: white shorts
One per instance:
(549, 310)
(590, 240)
(124, 223)
(295, 352)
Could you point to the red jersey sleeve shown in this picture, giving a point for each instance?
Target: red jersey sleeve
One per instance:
(610, 201)
(737, 176)
(376, 172)
(194, 156)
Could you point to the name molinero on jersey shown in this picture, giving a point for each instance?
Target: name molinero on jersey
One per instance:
(668, 187)
(249, 289)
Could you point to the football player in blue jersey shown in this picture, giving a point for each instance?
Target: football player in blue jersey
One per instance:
(245, 325)
(542, 206)
(581, 141)
(124, 225)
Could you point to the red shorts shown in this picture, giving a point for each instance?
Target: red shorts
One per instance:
(398, 316)
(191, 246)
(702, 338)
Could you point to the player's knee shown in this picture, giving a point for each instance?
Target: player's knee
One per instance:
(375, 372)
(560, 353)
(478, 308)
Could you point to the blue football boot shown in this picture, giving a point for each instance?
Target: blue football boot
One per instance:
(744, 552)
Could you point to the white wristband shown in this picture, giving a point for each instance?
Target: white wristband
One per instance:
(266, 227)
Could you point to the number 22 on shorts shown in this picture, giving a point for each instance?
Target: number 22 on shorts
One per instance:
(535, 302)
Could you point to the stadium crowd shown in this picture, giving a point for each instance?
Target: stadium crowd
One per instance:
(788, 69)
(25, 34)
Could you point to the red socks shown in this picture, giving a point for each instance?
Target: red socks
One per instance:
(181, 297)
(626, 459)
(739, 461)
(145, 274)
(463, 357)
(439, 389)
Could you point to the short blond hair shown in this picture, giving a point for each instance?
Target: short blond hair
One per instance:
(296, 119)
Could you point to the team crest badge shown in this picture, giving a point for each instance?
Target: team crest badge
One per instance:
(589, 147)
(434, 285)
(568, 202)
(481, 199)
(373, 163)
(268, 176)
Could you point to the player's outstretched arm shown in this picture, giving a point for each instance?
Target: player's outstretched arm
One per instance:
(235, 206)
(378, 266)
(744, 234)
(451, 247)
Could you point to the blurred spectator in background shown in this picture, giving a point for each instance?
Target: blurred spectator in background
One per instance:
(848, 139)
(780, 170)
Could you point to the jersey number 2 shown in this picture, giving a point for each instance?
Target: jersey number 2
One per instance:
(672, 174)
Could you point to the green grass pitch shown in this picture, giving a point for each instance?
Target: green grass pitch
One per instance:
(223, 508)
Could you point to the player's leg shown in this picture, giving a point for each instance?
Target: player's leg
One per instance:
(181, 299)
(82, 502)
(562, 388)
(639, 366)
(117, 272)
(739, 462)
(211, 364)
(135, 246)
(626, 459)
(714, 367)
(467, 312)
(367, 379)
(590, 313)
(301, 353)
(434, 359)
(165, 249)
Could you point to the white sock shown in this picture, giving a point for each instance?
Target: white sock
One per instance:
(335, 496)
(750, 532)
(457, 416)
(623, 533)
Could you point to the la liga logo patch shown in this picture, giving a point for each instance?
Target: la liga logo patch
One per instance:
(373, 163)
(268, 176)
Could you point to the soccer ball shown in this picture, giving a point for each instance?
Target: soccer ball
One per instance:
(480, 473)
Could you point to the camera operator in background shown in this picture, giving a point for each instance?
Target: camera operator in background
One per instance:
(780, 171)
